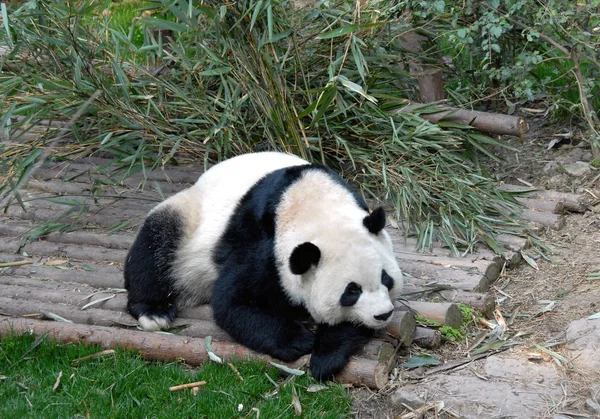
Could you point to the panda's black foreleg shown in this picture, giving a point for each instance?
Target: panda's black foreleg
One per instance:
(151, 297)
(279, 337)
(334, 345)
(261, 330)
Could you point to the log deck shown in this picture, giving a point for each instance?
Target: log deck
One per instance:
(78, 275)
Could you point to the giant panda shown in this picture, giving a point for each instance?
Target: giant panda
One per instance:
(269, 240)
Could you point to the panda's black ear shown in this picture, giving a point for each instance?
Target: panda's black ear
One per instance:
(303, 257)
(375, 221)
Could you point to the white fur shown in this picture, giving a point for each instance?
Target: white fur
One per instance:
(315, 209)
(208, 205)
(319, 210)
(153, 323)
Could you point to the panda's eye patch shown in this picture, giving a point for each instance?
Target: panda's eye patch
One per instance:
(351, 294)
(387, 280)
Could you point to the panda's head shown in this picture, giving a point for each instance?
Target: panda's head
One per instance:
(350, 274)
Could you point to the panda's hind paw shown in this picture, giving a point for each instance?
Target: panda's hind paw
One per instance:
(154, 323)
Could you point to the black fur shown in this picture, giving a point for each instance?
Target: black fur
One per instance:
(333, 347)
(375, 222)
(351, 294)
(303, 257)
(387, 280)
(148, 266)
(248, 300)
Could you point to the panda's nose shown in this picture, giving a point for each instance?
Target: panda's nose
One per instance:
(384, 316)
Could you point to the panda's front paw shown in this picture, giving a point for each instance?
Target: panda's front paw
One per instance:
(326, 366)
(297, 344)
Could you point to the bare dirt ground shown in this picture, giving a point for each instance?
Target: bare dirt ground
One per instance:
(526, 381)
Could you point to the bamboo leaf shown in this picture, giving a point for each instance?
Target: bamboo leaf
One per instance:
(529, 260)
(287, 369)
(56, 317)
(99, 300)
(211, 355)
(341, 31)
(215, 71)
(416, 361)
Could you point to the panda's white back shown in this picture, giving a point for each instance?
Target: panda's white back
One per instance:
(207, 207)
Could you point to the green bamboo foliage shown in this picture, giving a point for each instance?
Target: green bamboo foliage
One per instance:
(214, 79)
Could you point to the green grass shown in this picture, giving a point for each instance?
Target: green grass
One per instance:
(123, 385)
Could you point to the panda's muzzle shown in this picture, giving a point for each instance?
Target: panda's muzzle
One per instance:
(384, 316)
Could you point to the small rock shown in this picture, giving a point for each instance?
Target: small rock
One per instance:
(584, 339)
(408, 398)
(551, 166)
(587, 156)
(575, 155)
(592, 406)
(558, 181)
(578, 169)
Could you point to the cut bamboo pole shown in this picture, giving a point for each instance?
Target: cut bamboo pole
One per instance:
(428, 338)
(402, 327)
(359, 371)
(448, 314)
(482, 121)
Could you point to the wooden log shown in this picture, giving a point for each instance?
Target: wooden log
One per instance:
(102, 218)
(488, 268)
(86, 238)
(67, 251)
(572, 202)
(483, 121)
(153, 346)
(448, 314)
(411, 245)
(184, 175)
(365, 372)
(429, 77)
(402, 327)
(100, 317)
(99, 277)
(428, 338)
(59, 187)
(554, 206)
(483, 303)
(378, 349)
(71, 300)
(513, 242)
(544, 219)
(428, 273)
